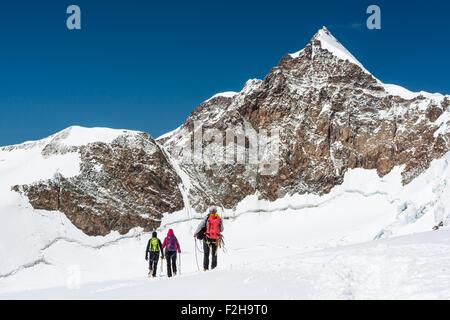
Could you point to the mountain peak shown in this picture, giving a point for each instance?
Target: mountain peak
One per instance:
(323, 30)
(323, 39)
(330, 43)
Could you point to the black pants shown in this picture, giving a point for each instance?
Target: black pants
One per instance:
(209, 247)
(153, 262)
(171, 257)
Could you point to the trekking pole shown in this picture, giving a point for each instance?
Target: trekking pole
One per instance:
(179, 262)
(162, 267)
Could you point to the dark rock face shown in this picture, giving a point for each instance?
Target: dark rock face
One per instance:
(126, 184)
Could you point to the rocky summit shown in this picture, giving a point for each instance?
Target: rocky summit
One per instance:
(331, 114)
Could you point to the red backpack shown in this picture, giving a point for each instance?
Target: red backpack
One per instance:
(213, 229)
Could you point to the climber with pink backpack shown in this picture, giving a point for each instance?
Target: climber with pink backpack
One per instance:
(172, 247)
(210, 231)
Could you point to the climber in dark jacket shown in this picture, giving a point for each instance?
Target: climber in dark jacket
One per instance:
(154, 247)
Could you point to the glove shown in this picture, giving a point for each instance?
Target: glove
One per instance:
(146, 258)
(162, 257)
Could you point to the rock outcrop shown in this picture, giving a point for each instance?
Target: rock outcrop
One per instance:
(124, 184)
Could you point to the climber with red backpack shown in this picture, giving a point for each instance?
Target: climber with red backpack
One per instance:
(210, 231)
(172, 246)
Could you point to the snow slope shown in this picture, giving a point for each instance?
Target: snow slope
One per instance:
(273, 249)
(410, 267)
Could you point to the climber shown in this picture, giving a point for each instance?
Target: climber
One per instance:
(172, 246)
(210, 231)
(154, 246)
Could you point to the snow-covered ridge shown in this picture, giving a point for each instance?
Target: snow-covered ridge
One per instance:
(168, 134)
(79, 136)
(329, 42)
(226, 94)
(404, 93)
(75, 136)
(25, 163)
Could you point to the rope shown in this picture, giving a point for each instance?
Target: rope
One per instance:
(199, 249)
(196, 258)
(225, 250)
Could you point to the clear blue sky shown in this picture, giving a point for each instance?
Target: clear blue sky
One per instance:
(146, 64)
